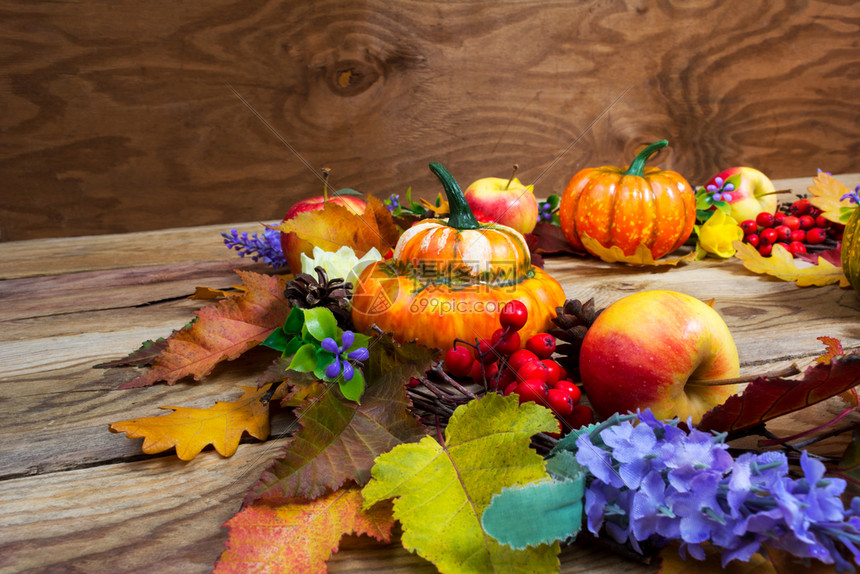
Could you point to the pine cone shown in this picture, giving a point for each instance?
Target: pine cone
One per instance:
(572, 322)
(306, 292)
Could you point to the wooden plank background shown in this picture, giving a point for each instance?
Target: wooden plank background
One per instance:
(119, 116)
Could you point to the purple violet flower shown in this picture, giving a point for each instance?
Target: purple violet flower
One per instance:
(342, 359)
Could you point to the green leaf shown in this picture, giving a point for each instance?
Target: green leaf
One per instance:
(353, 388)
(486, 449)
(361, 340)
(735, 180)
(277, 340)
(553, 201)
(723, 206)
(553, 508)
(294, 345)
(305, 359)
(295, 321)
(320, 323)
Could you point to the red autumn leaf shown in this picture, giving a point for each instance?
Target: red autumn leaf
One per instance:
(143, 357)
(223, 331)
(832, 256)
(340, 439)
(767, 398)
(299, 537)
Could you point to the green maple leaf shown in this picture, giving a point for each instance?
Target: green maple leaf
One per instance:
(441, 491)
(339, 439)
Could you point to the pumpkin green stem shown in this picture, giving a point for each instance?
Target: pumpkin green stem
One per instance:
(638, 166)
(461, 216)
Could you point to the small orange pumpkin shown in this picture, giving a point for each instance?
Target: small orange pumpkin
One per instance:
(450, 279)
(851, 250)
(629, 208)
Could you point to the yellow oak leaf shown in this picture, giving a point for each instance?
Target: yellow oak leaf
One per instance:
(828, 192)
(299, 537)
(642, 256)
(334, 226)
(190, 430)
(781, 264)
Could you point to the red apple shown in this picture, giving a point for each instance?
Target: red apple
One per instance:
(513, 205)
(292, 245)
(642, 350)
(753, 194)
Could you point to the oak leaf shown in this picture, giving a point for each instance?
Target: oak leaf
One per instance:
(781, 265)
(642, 255)
(828, 192)
(299, 537)
(334, 226)
(190, 430)
(339, 439)
(767, 398)
(440, 491)
(223, 331)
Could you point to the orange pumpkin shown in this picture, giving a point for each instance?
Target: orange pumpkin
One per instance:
(629, 208)
(450, 279)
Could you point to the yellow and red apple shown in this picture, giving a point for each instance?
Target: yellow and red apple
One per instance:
(505, 201)
(753, 193)
(292, 245)
(643, 349)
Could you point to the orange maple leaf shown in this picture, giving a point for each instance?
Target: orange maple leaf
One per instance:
(334, 226)
(834, 349)
(299, 537)
(190, 430)
(224, 331)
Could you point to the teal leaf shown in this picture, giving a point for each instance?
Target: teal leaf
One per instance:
(320, 323)
(554, 508)
(353, 388)
(305, 359)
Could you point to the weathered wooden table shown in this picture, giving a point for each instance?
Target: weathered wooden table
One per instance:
(76, 498)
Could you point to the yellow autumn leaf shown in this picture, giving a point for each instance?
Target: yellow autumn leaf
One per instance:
(672, 563)
(190, 430)
(642, 256)
(781, 265)
(828, 192)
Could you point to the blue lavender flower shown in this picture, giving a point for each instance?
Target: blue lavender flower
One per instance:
(267, 248)
(341, 362)
(652, 480)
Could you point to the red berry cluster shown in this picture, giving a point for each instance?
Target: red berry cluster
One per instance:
(799, 229)
(531, 373)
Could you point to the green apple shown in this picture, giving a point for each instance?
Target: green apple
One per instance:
(506, 201)
(644, 348)
(753, 193)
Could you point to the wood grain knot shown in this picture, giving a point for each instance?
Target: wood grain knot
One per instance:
(351, 77)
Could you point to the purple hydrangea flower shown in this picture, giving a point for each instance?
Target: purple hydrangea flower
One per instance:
(652, 480)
